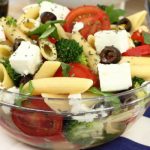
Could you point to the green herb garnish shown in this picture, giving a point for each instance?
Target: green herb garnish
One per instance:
(11, 72)
(114, 100)
(65, 69)
(24, 93)
(47, 29)
(40, 1)
(113, 13)
(146, 37)
(11, 21)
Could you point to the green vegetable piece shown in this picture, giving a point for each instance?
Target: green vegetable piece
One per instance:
(137, 82)
(24, 94)
(83, 133)
(40, 1)
(113, 13)
(82, 59)
(68, 50)
(65, 69)
(11, 21)
(114, 100)
(146, 37)
(11, 72)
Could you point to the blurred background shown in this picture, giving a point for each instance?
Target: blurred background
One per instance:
(15, 6)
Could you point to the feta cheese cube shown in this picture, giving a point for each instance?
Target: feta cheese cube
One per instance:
(115, 77)
(118, 39)
(78, 26)
(9, 98)
(60, 11)
(26, 59)
(2, 34)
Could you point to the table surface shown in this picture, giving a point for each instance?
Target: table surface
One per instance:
(15, 10)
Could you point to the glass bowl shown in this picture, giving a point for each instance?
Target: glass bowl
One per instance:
(104, 119)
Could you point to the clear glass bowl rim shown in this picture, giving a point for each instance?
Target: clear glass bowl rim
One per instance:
(2, 103)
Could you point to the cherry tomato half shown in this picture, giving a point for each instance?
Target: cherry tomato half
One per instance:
(37, 123)
(80, 71)
(93, 18)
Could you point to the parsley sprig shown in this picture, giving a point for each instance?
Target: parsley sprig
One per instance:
(11, 21)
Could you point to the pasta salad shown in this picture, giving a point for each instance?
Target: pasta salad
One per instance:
(54, 52)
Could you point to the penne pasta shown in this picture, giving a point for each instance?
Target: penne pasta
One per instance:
(57, 105)
(60, 85)
(90, 53)
(5, 80)
(28, 25)
(5, 51)
(12, 32)
(137, 19)
(48, 50)
(61, 32)
(48, 69)
(31, 13)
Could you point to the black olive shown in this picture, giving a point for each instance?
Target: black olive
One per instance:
(110, 55)
(17, 43)
(127, 24)
(47, 16)
(26, 79)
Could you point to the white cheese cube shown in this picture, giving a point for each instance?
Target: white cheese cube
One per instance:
(9, 98)
(2, 34)
(78, 26)
(115, 77)
(26, 59)
(118, 39)
(60, 11)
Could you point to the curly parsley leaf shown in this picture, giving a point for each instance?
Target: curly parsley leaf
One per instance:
(146, 37)
(11, 21)
(65, 69)
(112, 12)
(11, 72)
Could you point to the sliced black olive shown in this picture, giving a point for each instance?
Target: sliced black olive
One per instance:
(127, 23)
(110, 55)
(47, 16)
(26, 79)
(17, 43)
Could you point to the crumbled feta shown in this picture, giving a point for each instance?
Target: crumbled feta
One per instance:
(60, 11)
(86, 118)
(2, 34)
(26, 59)
(78, 26)
(9, 98)
(115, 77)
(118, 39)
(26, 8)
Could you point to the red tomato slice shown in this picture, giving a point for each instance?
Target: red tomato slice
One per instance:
(80, 71)
(137, 36)
(94, 19)
(52, 40)
(143, 50)
(37, 123)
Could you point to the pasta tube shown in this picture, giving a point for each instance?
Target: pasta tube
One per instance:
(48, 50)
(48, 69)
(137, 19)
(12, 32)
(90, 53)
(60, 85)
(28, 25)
(5, 51)
(5, 80)
(57, 105)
